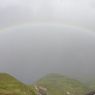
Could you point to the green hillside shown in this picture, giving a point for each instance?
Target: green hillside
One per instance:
(91, 85)
(11, 86)
(60, 85)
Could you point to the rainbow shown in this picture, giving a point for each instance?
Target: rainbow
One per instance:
(14, 26)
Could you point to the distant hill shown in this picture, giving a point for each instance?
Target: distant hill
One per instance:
(61, 85)
(11, 86)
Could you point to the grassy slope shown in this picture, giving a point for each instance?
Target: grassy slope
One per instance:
(91, 85)
(10, 86)
(60, 85)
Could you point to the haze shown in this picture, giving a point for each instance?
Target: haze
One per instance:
(39, 37)
(70, 12)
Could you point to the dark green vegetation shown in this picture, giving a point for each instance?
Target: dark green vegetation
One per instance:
(11, 86)
(61, 85)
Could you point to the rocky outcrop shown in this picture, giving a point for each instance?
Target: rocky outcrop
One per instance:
(41, 90)
(91, 93)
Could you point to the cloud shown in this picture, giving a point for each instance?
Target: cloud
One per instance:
(6, 3)
(73, 12)
(53, 47)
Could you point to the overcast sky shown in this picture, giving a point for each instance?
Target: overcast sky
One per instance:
(44, 36)
(79, 13)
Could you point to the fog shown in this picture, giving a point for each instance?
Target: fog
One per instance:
(70, 12)
(39, 37)
(31, 51)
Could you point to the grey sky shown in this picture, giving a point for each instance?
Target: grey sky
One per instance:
(79, 13)
(46, 45)
(31, 51)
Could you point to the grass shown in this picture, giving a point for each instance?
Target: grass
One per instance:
(56, 84)
(91, 85)
(61, 85)
(11, 86)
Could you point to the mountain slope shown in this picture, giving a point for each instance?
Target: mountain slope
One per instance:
(91, 85)
(60, 85)
(11, 86)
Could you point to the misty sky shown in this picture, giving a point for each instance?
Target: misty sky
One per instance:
(79, 13)
(47, 36)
